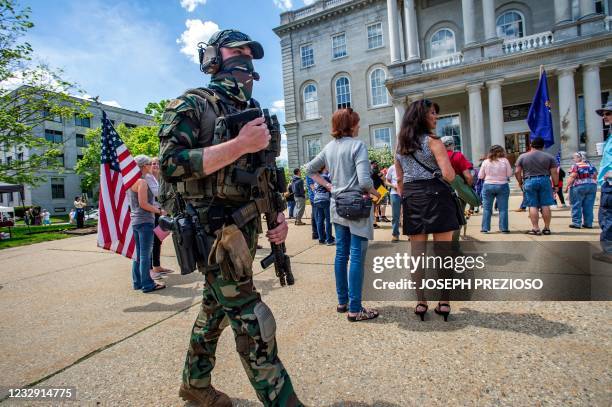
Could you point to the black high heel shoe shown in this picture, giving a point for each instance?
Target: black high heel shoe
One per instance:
(443, 313)
(421, 313)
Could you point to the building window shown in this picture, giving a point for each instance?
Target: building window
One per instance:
(375, 35)
(313, 147)
(130, 125)
(9, 161)
(510, 25)
(450, 126)
(57, 210)
(382, 137)
(343, 93)
(82, 121)
(443, 43)
(311, 102)
(79, 157)
(339, 46)
(377, 87)
(19, 156)
(51, 117)
(81, 141)
(54, 136)
(307, 54)
(57, 188)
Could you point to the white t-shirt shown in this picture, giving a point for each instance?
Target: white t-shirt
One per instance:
(392, 178)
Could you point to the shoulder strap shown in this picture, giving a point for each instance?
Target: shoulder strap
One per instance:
(209, 95)
(428, 168)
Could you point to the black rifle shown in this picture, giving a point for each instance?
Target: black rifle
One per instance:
(266, 183)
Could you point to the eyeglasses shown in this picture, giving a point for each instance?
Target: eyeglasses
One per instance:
(607, 113)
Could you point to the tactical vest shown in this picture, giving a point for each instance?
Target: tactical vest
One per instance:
(219, 185)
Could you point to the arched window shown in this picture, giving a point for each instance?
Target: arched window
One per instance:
(377, 87)
(311, 102)
(443, 43)
(510, 25)
(343, 93)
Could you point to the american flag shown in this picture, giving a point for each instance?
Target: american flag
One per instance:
(118, 172)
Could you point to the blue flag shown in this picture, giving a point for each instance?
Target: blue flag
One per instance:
(539, 117)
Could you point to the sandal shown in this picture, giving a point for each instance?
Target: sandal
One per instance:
(445, 314)
(422, 312)
(534, 232)
(546, 232)
(157, 288)
(363, 315)
(342, 308)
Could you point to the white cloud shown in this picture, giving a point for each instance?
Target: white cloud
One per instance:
(308, 2)
(197, 31)
(191, 5)
(284, 5)
(35, 76)
(278, 106)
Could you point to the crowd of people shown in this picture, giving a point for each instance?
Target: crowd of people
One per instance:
(427, 187)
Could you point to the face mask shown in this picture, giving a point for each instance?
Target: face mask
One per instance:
(236, 78)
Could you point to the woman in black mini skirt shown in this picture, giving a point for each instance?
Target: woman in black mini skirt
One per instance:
(429, 207)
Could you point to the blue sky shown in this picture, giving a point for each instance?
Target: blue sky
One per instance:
(132, 52)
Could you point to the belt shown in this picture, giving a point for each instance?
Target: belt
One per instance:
(537, 176)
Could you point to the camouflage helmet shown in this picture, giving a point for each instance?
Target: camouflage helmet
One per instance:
(234, 39)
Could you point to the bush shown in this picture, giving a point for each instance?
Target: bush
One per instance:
(384, 156)
(20, 210)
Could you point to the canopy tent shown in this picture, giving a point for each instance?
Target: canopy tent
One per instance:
(4, 209)
(8, 188)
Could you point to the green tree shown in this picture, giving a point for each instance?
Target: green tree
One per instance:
(43, 94)
(139, 140)
(156, 109)
(384, 156)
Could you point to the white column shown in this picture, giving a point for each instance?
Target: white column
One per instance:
(399, 106)
(563, 11)
(467, 8)
(488, 13)
(496, 112)
(567, 112)
(587, 7)
(394, 42)
(476, 121)
(592, 100)
(410, 26)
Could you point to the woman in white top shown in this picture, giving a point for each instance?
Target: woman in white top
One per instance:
(495, 171)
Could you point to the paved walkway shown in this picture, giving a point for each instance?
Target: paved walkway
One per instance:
(70, 318)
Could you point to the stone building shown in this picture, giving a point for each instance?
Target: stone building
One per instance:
(478, 59)
(58, 192)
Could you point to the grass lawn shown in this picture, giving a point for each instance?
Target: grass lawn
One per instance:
(37, 234)
(53, 219)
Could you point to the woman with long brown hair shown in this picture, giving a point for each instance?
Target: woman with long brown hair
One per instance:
(422, 166)
(495, 171)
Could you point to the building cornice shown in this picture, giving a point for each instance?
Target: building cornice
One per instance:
(321, 15)
(526, 58)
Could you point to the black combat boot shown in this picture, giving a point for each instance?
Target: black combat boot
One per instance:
(206, 397)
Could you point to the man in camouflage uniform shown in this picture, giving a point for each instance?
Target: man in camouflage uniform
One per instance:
(199, 166)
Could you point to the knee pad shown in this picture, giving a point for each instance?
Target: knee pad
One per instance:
(267, 324)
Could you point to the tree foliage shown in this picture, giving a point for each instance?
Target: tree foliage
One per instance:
(139, 140)
(384, 156)
(156, 109)
(43, 94)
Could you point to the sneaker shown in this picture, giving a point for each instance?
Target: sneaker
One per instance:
(395, 239)
(375, 226)
(385, 219)
(574, 226)
(332, 243)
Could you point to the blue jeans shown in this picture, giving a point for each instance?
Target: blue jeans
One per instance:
(141, 265)
(583, 199)
(605, 217)
(538, 192)
(500, 193)
(290, 207)
(396, 208)
(348, 286)
(323, 219)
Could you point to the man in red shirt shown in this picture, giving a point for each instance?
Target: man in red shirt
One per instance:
(460, 164)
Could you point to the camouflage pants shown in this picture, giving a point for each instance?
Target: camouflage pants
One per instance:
(229, 302)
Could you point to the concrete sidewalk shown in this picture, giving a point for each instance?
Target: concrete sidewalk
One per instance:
(70, 318)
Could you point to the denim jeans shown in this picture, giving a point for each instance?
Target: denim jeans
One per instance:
(538, 192)
(500, 193)
(141, 265)
(348, 286)
(300, 205)
(583, 199)
(290, 207)
(323, 219)
(396, 208)
(605, 218)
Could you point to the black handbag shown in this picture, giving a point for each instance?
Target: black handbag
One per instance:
(459, 213)
(353, 205)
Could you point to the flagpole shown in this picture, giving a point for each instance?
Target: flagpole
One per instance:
(541, 70)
